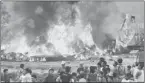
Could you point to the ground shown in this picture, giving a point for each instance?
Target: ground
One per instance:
(39, 66)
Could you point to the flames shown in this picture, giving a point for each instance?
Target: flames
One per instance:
(61, 35)
(64, 28)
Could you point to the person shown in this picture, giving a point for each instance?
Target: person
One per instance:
(134, 69)
(66, 77)
(50, 77)
(114, 68)
(81, 68)
(20, 71)
(82, 78)
(129, 70)
(108, 70)
(110, 77)
(120, 70)
(79, 74)
(92, 76)
(115, 78)
(127, 78)
(74, 78)
(58, 79)
(34, 78)
(86, 70)
(133, 19)
(62, 69)
(27, 75)
(104, 68)
(6, 76)
(114, 71)
(101, 77)
(22, 78)
(139, 76)
(98, 67)
(101, 60)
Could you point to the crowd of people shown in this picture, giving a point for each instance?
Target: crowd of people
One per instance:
(102, 72)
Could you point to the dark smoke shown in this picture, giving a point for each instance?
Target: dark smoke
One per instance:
(41, 21)
(96, 13)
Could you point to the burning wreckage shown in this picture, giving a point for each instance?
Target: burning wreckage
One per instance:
(70, 37)
(126, 39)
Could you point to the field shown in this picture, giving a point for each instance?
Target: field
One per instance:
(37, 66)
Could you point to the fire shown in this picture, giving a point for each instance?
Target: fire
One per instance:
(17, 45)
(61, 35)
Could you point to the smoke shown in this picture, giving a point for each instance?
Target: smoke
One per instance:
(69, 25)
(38, 14)
(99, 15)
(77, 20)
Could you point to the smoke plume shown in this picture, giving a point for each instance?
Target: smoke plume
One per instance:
(58, 25)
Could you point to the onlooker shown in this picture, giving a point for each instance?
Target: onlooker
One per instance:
(101, 78)
(82, 78)
(81, 68)
(107, 73)
(62, 69)
(66, 77)
(104, 69)
(115, 72)
(128, 70)
(110, 77)
(6, 76)
(134, 69)
(101, 60)
(114, 68)
(103, 66)
(92, 76)
(86, 70)
(50, 77)
(34, 79)
(58, 79)
(120, 70)
(74, 78)
(115, 78)
(127, 78)
(20, 71)
(22, 77)
(79, 75)
(139, 76)
(28, 77)
(98, 67)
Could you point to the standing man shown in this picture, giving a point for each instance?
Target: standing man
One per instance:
(50, 77)
(66, 77)
(62, 69)
(120, 70)
(6, 76)
(20, 72)
(81, 68)
(139, 75)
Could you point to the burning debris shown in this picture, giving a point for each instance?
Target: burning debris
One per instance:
(51, 28)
